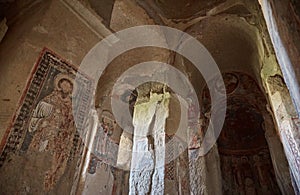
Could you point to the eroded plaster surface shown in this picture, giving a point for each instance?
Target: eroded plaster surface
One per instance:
(233, 31)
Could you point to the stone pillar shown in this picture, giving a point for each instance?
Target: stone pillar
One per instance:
(159, 145)
(279, 161)
(205, 172)
(197, 173)
(282, 22)
(285, 117)
(213, 179)
(125, 152)
(148, 156)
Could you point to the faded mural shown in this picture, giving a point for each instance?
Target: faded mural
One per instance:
(246, 164)
(42, 138)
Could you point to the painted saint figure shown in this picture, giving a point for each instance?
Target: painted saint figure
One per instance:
(108, 125)
(53, 126)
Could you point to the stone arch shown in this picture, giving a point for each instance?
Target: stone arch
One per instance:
(237, 46)
(248, 144)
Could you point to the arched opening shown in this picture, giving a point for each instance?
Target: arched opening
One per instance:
(249, 137)
(248, 157)
(245, 160)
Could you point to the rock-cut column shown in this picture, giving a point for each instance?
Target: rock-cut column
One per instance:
(148, 152)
